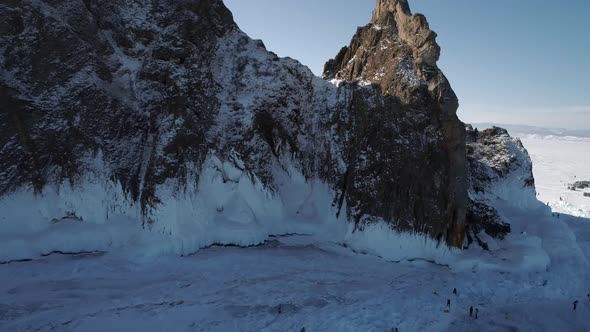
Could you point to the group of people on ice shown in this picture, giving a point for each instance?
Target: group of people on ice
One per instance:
(472, 310)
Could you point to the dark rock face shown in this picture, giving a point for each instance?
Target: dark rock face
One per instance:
(497, 162)
(493, 155)
(152, 89)
(483, 217)
(397, 52)
(108, 76)
(580, 185)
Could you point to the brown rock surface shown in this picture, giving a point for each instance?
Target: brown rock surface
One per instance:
(398, 53)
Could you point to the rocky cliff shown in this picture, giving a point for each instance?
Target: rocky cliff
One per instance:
(500, 177)
(165, 112)
(397, 54)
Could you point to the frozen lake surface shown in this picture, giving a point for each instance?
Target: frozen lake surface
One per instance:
(285, 285)
(558, 163)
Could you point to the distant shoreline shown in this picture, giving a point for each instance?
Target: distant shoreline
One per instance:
(531, 132)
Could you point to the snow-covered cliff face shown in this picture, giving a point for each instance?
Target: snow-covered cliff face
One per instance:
(500, 177)
(129, 80)
(165, 112)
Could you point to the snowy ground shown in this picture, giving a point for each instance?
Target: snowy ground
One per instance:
(527, 283)
(322, 287)
(557, 163)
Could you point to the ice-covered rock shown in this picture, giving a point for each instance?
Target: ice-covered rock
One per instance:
(500, 174)
(167, 114)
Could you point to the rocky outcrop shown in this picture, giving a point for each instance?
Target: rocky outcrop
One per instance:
(500, 172)
(170, 104)
(397, 53)
(579, 185)
(494, 155)
(115, 77)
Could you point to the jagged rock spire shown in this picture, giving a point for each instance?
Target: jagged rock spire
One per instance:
(397, 52)
(386, 8)
(412, 29)
(394, 49)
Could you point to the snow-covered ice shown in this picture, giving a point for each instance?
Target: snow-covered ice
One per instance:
(558, 163)
(317, 285)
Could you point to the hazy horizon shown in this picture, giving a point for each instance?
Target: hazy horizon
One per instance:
(513, 63)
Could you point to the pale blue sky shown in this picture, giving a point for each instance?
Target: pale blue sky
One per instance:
(509, 61)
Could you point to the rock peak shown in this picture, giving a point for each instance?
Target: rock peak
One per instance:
(388, 8)
(397, 53)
